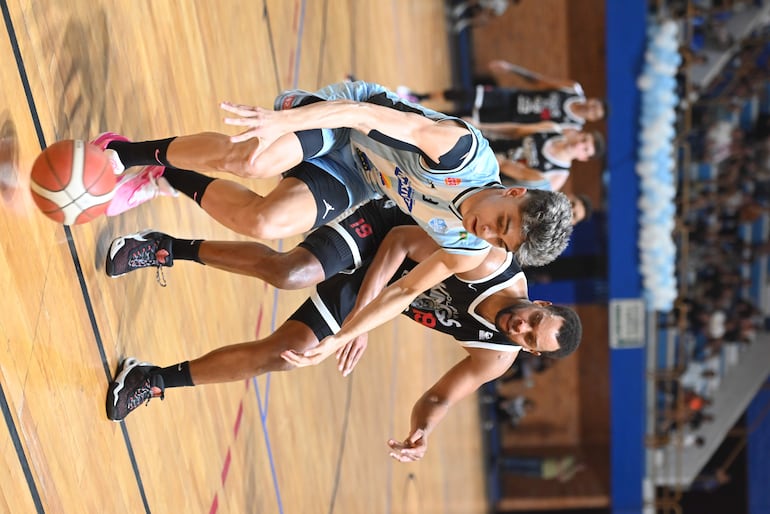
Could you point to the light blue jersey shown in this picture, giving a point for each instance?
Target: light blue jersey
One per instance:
(371, 168)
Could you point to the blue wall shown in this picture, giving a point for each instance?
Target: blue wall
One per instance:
(625, 38)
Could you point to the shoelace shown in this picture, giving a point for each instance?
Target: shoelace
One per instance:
(160, 277)
(143, 394)
(145, 256)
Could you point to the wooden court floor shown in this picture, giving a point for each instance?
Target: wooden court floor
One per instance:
(307, 441)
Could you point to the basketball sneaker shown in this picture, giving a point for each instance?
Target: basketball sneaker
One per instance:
(141, 250)
(134, 385)
(135, 186)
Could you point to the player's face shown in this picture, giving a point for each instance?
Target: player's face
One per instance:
(497, 219)
(594, 109)
(578, 209)
(583, 146)
(530, 325)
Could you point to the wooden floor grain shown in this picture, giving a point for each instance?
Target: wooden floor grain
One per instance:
(301, 442)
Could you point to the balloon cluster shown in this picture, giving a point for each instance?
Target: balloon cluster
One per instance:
(656, 167)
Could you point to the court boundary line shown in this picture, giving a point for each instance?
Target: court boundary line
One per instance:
(23, 461)
(70, 242)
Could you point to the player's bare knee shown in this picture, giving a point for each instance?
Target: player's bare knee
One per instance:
(236, 159)
(260, 226)
(296, 270)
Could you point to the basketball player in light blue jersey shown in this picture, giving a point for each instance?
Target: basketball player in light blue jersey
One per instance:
(428, 191)
(343, 150)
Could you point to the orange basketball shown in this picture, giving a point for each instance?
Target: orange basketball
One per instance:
(72, 182)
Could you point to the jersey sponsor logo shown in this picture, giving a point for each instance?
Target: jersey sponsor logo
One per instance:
(452, 181)
(385, 181)
(438, 302)
(428, 199)
(539, 104)
(484, 335)
(405, 190)
(438, 225)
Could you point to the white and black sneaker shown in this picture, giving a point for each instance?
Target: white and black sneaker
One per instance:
(133, 386)
(142, 250)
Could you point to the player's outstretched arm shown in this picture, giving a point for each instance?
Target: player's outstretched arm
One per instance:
(534, 80)
(463, 379)
(516, 130)
(518, 172)
(401, 242)
(433, 139)
(389, 303)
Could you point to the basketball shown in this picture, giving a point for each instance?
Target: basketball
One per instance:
(72, 182)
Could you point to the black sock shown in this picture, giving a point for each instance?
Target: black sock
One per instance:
(186, 249)
(177, 375)
(190, 183)
(144, 153)
(460, 95)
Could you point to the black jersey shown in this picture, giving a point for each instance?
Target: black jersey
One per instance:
(448, 307)
(500, 105)
(528, 151)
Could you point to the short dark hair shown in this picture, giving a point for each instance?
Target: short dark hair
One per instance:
(570, 333)
(599, 145)
(588, 205)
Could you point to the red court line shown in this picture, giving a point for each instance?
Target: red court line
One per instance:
(236, 428)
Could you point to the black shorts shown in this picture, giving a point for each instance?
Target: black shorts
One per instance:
(331, 302)
(330, 194)
(497, 106)
(347, 243)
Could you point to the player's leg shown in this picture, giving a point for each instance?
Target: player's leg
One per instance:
(341, 245)
(320, 316)
(295, 269)
(137, 382)
(288, 210)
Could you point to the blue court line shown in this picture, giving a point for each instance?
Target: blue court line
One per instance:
(263, 406)
(70, 243)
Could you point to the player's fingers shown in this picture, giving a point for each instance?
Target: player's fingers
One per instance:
(239, 109)
(290, 357)
(244, 122)
(396, 445)
(342, 364)
(352, 361)
(244, 136)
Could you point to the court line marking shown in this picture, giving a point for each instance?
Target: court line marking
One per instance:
(70, 243)
(23, 462)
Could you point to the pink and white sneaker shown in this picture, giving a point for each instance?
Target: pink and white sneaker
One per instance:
(136, 185)
(105, 138)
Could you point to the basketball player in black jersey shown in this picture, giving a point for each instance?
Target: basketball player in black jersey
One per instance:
(543, 98)
(486, 310)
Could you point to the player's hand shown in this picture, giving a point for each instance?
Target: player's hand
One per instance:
(314, 355)
(549, 126)
(499, 65)
(262, 123)
(411, 449)
(348, 355)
